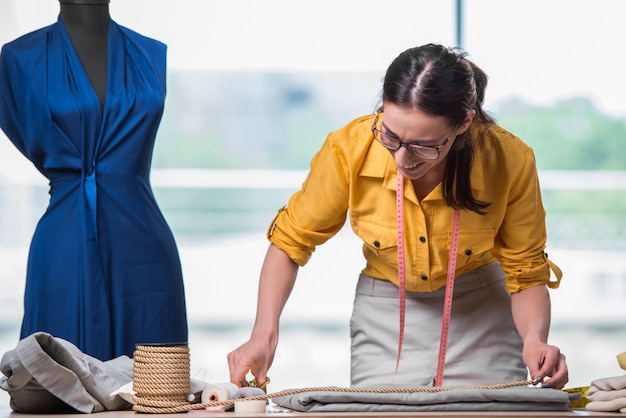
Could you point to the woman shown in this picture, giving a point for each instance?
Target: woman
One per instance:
(444, 200)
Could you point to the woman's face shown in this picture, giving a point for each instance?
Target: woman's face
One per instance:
(412, 127)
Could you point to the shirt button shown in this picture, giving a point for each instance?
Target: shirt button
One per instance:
(376, 244)
(424, 277)
(468, 252)
(422, 239)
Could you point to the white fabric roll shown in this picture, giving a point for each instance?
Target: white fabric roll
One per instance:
(247, 392)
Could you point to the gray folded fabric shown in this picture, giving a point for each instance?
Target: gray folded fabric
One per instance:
(45, 374)
(509, 399)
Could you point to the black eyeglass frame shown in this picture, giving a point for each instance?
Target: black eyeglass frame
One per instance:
(413, 149)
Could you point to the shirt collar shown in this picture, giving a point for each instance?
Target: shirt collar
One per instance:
(379, 163)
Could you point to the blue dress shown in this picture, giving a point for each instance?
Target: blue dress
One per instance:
(103, 271)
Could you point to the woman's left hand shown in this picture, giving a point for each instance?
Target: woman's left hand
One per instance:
(531, 313)
(546, 361)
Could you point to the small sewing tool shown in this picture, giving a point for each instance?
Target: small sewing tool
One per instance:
(254, 384)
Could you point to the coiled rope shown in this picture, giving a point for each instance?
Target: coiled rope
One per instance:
(161, 382)
(161, 376)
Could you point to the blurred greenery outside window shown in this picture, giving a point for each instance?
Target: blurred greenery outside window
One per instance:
(279, 120)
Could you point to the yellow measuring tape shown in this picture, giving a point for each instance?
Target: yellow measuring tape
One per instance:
(583, 401)
(578, 403)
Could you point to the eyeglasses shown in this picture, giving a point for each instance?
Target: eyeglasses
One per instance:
(394, 144)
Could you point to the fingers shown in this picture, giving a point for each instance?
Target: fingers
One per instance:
(548, 361)
(550, 367)
(558, 376)
(240, 365)
(238, 371)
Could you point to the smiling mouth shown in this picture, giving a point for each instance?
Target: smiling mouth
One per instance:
(410, 166)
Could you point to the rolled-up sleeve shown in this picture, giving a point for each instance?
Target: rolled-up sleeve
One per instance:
(317, 211)
(521, 240)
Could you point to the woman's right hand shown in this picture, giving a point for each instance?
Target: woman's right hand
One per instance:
(255, 356)
(278, 276)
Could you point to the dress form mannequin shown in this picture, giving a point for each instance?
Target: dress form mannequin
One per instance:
(103, 270)
(87, 23)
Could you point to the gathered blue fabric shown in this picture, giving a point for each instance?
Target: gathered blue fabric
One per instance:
(103, 271)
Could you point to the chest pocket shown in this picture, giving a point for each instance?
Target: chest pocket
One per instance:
(380, 239)
(473, 245)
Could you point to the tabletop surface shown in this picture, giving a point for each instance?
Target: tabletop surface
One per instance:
(6, 412)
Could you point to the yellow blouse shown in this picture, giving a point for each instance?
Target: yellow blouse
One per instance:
(353, 174)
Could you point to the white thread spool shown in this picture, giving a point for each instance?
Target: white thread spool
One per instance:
(218, 392)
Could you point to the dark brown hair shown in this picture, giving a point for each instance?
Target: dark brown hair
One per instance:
(441, 81)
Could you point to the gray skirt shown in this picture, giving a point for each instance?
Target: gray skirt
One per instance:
(484, 346)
